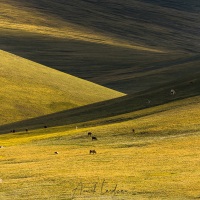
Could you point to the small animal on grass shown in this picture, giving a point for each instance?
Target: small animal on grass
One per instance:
(94, 138)
(133, 130)
(89, 134)
(45, 126)
(26, 130)
(93, 152)
(1, 147)
(55, 152)
(172, 92)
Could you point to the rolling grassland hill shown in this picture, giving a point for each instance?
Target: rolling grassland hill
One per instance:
(184, 88)
(159, 160)
(147, 143)
(29, 90)
(171, 25)
(124, 45)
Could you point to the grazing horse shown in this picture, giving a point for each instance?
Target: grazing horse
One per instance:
(172, 92)
(93, 152)
(89, 134)
(94, 138)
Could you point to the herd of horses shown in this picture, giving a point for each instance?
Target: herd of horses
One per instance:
(172, 92)
(56, 152)
(91, 151)
(93, 138)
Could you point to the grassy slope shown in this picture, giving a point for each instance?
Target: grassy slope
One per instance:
(20, 17)
(100, 48)
(159, 161)
(151, 163)
(134, 21)
(31, 90)
(184, 88)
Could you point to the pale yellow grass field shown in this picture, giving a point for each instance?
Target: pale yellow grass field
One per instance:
(167, 169)
(159, 161)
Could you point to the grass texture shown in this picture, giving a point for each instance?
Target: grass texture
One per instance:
(30, 89)
(158, 161)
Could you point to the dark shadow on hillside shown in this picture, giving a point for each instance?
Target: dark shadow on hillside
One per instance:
(157, 96)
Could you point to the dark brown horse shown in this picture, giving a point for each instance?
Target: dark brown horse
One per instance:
(94, 138)
(93, 152)
(89, 134)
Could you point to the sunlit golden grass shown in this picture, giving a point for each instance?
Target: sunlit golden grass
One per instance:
(159, 161)
(29, 90)
(173, 118)
(16, 17)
